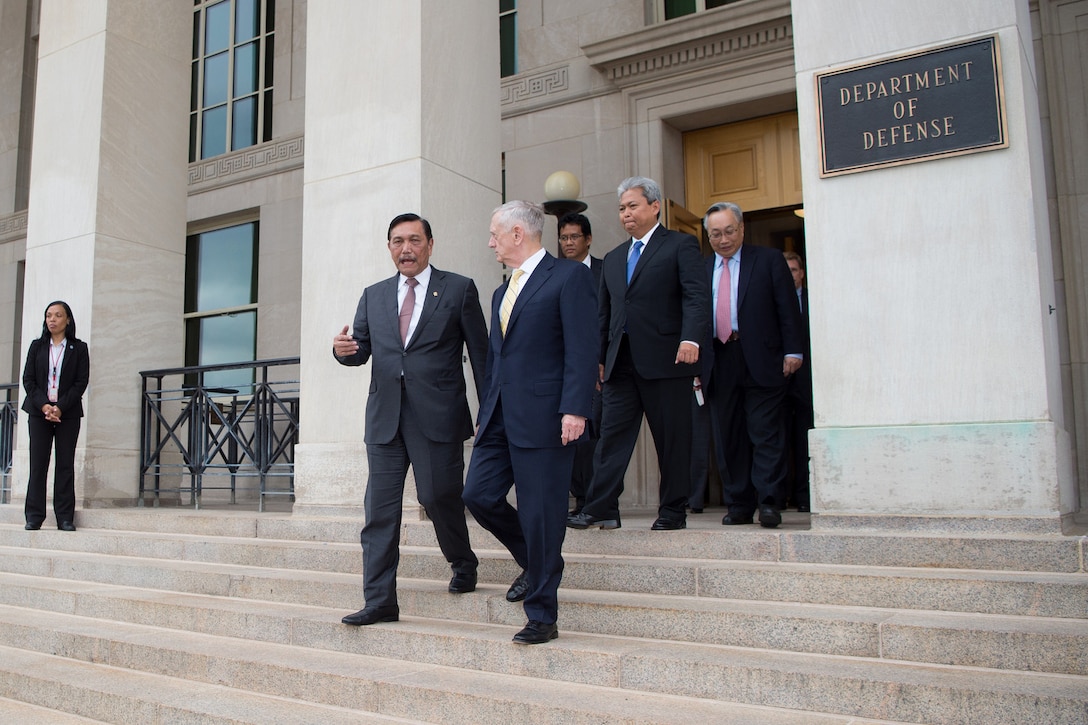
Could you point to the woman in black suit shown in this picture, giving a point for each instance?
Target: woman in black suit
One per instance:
(55, 377)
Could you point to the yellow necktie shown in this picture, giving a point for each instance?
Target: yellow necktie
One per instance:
(508, 300)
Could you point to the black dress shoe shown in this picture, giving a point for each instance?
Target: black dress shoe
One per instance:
(371, 615)
(463, 583)
(804, 508)
(519, 588)
(32, 527)
(584, 521)
(739, 518)
(695, 510)
(663, 524)
(66, 526)
(768, 517)
(536, 633)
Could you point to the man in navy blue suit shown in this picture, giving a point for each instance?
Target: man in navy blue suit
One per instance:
(757, 346)
(538, 391)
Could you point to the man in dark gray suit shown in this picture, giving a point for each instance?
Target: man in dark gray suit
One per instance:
(417, 411)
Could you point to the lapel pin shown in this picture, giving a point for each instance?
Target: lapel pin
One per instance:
(435, 294)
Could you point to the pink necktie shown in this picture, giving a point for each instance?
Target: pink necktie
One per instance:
(723, 323)
(407, 308)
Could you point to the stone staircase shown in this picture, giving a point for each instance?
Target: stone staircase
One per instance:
(174, 615)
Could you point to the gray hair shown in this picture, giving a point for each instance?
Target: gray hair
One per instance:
(529, 215)
(724, 206)
(649, 187)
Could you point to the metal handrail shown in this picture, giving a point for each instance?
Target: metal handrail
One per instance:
(196, 432)
(9, 417)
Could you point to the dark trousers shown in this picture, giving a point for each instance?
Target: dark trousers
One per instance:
(43, 435)
(799, 421)
(666, 404)
(751, 433)
(534, 531)
(438, 468)
(582, 476)
(700, 453)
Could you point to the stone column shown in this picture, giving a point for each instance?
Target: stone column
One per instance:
(14, 123)
(936, 376)
(106, 226)
(13, 53)
(402, 114)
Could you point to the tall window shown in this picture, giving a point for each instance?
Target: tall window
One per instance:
(231, 98)
(221, 302)
(508, 38)
(676, 8)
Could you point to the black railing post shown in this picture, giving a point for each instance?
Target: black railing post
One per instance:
(9, 416)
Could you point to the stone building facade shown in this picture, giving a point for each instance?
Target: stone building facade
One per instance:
(950, 337)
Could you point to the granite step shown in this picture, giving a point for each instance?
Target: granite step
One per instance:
(1045, 594)
(705, 538)
(68, 687)
(271, 682)
(15, 712)
(999, 642)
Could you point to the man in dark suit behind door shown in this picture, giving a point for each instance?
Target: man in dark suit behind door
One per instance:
(798, 407)
(757, 347)
(417, 411)
(654, 310)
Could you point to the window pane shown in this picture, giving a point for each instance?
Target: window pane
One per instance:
(192, 137)
(246, 19)
(506, 5)
(266, 134)
(196, 35)
(245, 69)
(228, 339)
(217, 27)
(270, 16)
(215, 80)
(244, 131)
(508, 49)
(213, 139)
(193, 86)
(676, 8)
(225, 268)
(718, 3)
(269, 54)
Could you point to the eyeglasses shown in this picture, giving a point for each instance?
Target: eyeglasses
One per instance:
(571, 237)
(727, 232)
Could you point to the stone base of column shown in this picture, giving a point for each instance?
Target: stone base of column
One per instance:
(1013, 477)
(330, 479)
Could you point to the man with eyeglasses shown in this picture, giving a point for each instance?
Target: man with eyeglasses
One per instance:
(757, 347)
(413, 328)
(575, 238)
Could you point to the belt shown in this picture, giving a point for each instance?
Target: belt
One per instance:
(733, 337)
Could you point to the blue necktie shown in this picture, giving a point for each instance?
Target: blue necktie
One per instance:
(636, 252)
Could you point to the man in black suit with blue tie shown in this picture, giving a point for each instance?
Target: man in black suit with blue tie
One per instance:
(413, 327)
(757, 347)
(538, 392)
(653, 310)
